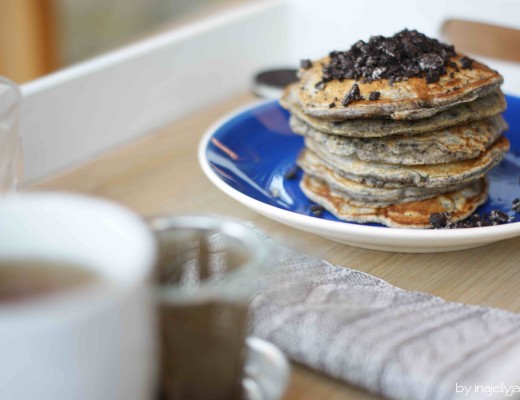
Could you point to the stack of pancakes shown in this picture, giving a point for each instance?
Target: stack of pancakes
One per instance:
(395, 150)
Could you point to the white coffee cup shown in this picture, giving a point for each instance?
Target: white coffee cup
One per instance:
(92, 343)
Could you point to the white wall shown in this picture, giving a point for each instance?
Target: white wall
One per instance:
(317, 27)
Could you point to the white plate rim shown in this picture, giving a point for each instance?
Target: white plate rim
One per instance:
(420, 237)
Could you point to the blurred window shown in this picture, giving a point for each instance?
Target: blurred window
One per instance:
(40, 36)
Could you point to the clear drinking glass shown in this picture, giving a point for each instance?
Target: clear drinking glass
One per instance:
(11, 161)
(208, 270)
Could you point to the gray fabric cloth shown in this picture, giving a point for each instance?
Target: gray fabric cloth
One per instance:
(401, 344)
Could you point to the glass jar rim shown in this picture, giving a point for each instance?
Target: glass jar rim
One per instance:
(237, 283)
(17, 95)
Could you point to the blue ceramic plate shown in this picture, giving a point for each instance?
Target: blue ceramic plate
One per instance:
(248, 155)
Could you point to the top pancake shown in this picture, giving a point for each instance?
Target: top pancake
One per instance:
(409, 99)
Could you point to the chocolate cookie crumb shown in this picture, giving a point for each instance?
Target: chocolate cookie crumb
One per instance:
(476, 221)
(432, 76)
(439, 220)
(352, 95)
(317, 210)
(332, 105)
(469, 222)
(292, 173)
(374, 96)
(516, 205)
(406, 54)
(498, 217)
(495, 217)
(320, 85)
(466, 63)
(306, 64)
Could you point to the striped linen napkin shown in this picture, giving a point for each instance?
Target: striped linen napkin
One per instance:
(400, 344)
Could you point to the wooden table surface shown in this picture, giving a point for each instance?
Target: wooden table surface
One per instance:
(159, 174)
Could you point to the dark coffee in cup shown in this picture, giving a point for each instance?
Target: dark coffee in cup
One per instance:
(22, 280)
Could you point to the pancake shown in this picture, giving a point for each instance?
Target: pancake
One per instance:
(461, 203)
(392, 175)
(361, 195)
(413, 98)
(484, 107)
(455, 143)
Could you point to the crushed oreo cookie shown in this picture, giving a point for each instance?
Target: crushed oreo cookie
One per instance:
(516, 205)
(495, 217)
(352, 95)
(466, 63)
(406, 54)
(374, 96)
(317, 210)
(292, 173)
(473, 221)
(306, 64)
(432, 76)
(498, 217)
(320, 85)
(439, 220)
(454, 66)
(332, 105)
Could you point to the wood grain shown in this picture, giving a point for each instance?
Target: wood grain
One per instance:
(28, 47)
(159, 174)
(483, 39)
